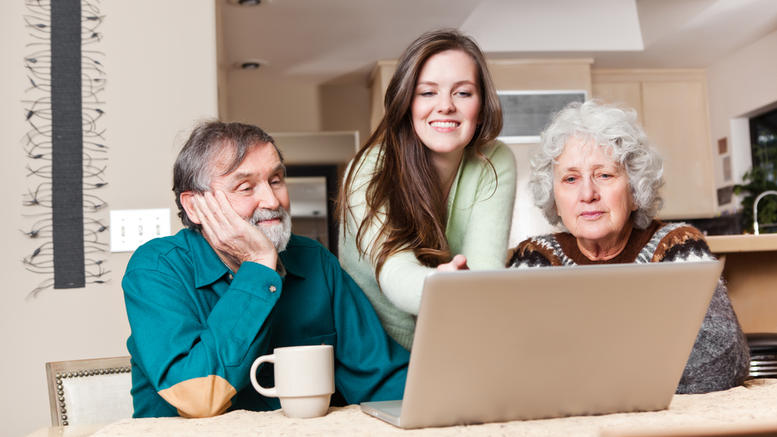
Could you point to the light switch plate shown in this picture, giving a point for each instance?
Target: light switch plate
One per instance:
(132, 227)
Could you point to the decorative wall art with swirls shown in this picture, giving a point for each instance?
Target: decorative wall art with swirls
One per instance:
(65, 146)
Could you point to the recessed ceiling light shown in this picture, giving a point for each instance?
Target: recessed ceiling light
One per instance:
(247, 2)
(250, 64)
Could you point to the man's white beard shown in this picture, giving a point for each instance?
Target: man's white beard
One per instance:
(279, 233)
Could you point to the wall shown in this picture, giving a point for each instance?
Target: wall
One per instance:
(346, 107)
(160, 60)
(741, 84)
(273, 103)
(282, 104)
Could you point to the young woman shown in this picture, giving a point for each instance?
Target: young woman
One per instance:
(431, 188)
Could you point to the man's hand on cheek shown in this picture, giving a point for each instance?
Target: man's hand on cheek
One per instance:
(231, 234)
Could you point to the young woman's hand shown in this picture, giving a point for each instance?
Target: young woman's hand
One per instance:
(459, 262)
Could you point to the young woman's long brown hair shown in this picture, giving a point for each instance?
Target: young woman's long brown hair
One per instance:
(405, 185)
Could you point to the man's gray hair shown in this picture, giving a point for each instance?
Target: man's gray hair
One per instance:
(607, 126)
(209, 141)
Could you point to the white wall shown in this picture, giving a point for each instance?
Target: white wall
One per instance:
(528, 220)
(346, 107)
(271, 102)
(740, 84)
(160, 60)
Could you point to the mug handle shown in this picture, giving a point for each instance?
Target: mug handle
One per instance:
(268, 392)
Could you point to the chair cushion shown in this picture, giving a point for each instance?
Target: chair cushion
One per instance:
(97, 399)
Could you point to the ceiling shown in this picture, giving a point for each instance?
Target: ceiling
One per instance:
(340, 40)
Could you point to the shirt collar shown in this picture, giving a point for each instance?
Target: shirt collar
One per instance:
(290, 258)
(208, 267)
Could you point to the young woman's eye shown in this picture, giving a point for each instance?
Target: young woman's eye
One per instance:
(464, 94)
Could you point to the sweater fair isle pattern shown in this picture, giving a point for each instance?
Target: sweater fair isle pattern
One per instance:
(720, 357)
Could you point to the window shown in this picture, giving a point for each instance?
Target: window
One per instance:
(763, 140)
(527, 113)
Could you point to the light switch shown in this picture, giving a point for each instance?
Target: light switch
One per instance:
(132, 227)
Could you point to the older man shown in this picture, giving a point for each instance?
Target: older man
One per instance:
(233, 285)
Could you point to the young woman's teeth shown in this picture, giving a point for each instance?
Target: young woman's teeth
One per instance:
(444, 124)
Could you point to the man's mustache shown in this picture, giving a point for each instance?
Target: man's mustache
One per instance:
(262, 214)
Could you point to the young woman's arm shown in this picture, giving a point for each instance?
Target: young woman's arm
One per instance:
(480, 218)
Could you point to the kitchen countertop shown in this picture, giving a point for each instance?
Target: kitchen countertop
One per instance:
(742, 243)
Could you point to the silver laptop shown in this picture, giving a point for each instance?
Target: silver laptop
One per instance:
(494, 346)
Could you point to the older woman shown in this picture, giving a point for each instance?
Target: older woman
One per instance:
(597, 175)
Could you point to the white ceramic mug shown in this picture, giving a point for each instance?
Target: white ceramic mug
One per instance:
(304, 379)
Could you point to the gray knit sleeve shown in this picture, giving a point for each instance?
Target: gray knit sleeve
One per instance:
(720, 358)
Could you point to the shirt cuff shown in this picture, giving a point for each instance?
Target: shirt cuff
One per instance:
(258, 280)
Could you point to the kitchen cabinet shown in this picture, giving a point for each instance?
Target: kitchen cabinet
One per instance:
(751, 277)
(379, 80)
(672, 106)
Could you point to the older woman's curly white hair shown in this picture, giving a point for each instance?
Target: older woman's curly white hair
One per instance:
(607, 126)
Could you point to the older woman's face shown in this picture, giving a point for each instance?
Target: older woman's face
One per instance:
(592, 194)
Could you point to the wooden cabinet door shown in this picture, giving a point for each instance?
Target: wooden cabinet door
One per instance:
(676, 121)
(672, 106)
(379, 80)
(628, 94)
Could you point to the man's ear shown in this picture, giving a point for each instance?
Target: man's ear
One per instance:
(187, 201)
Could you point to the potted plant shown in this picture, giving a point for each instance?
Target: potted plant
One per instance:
(756, 181)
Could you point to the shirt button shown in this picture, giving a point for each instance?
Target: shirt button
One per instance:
(272, 289)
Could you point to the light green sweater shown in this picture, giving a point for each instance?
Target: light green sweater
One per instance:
(478, 227)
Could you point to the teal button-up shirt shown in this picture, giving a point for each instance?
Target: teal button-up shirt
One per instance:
(196, 327)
